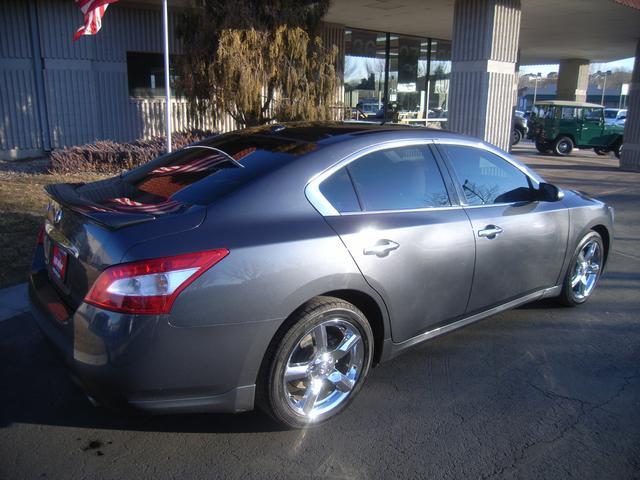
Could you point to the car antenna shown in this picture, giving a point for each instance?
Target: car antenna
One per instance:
(225, 154)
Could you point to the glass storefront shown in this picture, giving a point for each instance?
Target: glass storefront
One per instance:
(408, 61)
(364, 72)
(410, 75)
(439, 77)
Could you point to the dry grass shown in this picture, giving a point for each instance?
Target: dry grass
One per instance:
(22, 204)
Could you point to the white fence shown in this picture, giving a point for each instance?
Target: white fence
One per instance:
(150, 116)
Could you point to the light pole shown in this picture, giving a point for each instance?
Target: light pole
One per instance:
(167, 79)
(604, 85)
(535, 86)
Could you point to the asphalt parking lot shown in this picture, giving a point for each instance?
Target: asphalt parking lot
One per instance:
(537, 392)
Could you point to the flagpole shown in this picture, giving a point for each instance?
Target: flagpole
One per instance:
(167, 83)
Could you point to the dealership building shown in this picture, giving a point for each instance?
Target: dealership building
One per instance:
(432, 59)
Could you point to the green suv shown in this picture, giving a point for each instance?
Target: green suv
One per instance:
(559, 125)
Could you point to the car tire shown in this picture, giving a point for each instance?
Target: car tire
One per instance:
(617, 151)
(542, 147)
(308, 376)
(584, 270)
(600, 151)
(562, 146)
(516, 136)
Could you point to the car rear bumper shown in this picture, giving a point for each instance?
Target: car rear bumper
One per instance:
(144, 362)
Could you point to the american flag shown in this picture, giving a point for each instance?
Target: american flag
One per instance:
(93, 10)
(203, 164)
(125, 204)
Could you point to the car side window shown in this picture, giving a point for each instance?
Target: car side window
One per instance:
(592, 115)
(339, 192)
(486, 178)
(399, 179)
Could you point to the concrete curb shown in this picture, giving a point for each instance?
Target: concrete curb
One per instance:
(13, 301)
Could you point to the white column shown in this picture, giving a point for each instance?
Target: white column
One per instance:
(485, 51)
(631, 151)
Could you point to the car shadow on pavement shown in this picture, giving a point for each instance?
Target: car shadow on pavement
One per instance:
(38, 390)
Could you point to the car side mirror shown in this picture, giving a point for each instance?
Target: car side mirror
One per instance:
(547, 192)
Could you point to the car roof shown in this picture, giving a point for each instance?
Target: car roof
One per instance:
(567, 103)
(325, 133)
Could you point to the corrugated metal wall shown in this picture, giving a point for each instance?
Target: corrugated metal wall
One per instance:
(86, 81)
(84, 84)
(86, 92)
(19, 121)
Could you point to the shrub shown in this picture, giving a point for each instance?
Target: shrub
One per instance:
(112, 157)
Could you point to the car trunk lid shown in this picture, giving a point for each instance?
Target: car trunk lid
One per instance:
(86, 231)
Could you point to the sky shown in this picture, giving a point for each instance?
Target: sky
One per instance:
(625, 64)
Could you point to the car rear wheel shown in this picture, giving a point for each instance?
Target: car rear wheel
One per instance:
(600, 151)
(542, 147)
(562, 146)
(516, 136)
(618, 150)
(317, 365)
(584, 270)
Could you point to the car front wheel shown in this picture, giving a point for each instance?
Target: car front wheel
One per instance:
(562, 146)
(317, 365)
(584, 270)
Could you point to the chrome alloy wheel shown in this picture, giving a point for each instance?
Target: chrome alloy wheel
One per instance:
(323, 368)
(586, 270)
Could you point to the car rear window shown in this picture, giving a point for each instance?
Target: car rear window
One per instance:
(201, 173)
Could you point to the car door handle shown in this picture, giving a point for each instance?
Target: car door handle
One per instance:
(381, 248)
(490, 231)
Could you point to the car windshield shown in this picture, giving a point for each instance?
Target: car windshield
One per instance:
(610, 113)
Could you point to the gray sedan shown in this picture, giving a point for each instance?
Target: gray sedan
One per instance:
(273, 267)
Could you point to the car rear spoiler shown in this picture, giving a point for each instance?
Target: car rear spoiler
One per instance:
(66, 195)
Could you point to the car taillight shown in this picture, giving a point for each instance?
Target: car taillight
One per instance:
(150, 286)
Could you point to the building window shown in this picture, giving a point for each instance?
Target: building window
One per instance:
(439, 76)
(364, 70)
(145, 72)
(408, 61)
(417, 85)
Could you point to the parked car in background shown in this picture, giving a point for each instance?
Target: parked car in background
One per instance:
(355, 113)
(613, 115)
(560, 125)
(368, 108)
(519, 127)
(273, 267)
